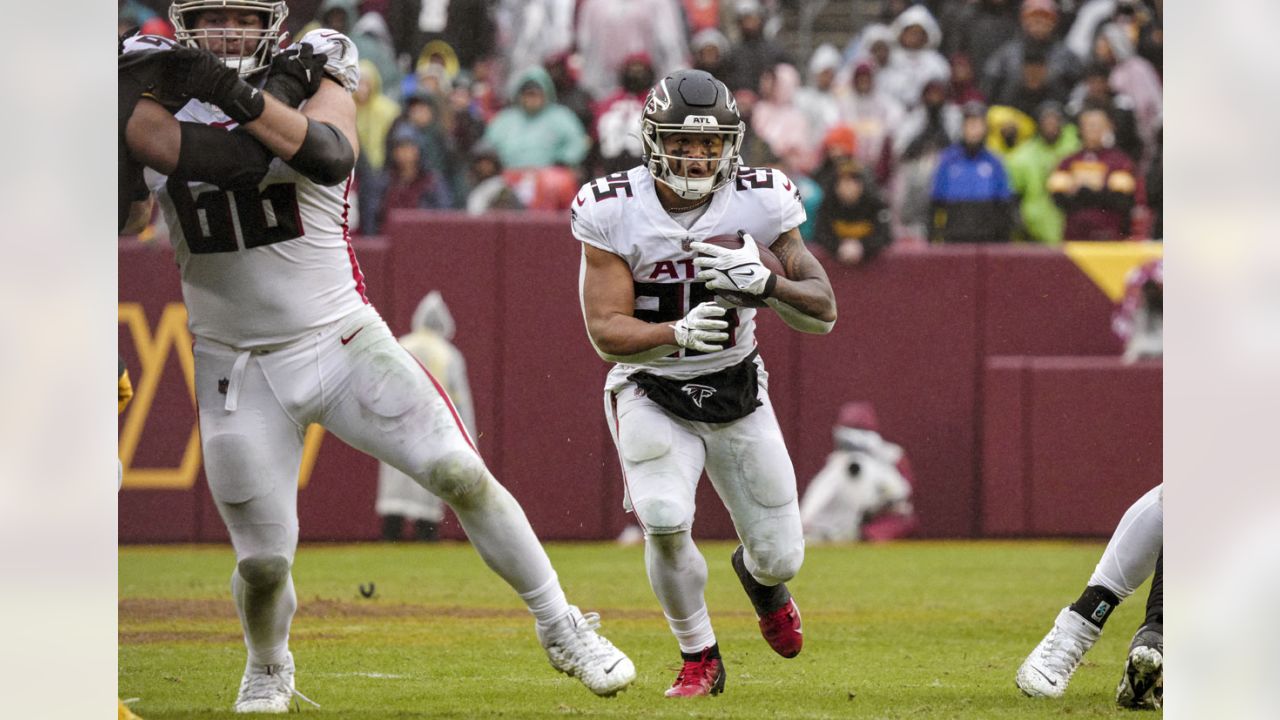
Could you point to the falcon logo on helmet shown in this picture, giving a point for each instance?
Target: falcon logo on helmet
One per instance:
(691, 101)
(255, 46)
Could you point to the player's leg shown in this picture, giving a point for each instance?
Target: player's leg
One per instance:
(251, 456)
(747, 461)
(382, 402)
(1142, 684)
(1129, 559)
(401, 497)
(661, 463)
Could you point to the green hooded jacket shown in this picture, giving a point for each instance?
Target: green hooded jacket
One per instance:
(1030, 165)
(552, 136)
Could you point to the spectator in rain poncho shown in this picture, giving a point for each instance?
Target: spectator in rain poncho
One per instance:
(610, 31)
(914, 59)
(920, 138)
(775, 118)
(400, 498)
(873, 45)
(873, 115)
(818, 100)
(864, 491)
(536, 131)
(1133, 76)
(373, 43)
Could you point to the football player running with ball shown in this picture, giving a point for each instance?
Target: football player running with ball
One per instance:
(284, 336)
(689, 390)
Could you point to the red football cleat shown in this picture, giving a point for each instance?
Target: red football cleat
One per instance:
(779, 616)
(781, 629)
(704, 676)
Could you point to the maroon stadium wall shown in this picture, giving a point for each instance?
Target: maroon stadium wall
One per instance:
(994, 367)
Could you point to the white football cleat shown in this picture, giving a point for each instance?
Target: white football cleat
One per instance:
(268, 688)
(1048, 669)
(576, 649)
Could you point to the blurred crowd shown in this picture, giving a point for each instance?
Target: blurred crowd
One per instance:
(945, 121)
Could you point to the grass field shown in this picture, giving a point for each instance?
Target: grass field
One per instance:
(908, 630)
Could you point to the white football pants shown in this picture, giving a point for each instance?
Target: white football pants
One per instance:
(1131, 554)
(663, 457)
(355, 379)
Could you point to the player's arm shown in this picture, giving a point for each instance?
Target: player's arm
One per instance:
(139, 216)
(801, 294)
(804, 297)
(608, 307)
(319, 141)
(194, 151)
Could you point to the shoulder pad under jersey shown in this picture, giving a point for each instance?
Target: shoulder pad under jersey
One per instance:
(343, 64)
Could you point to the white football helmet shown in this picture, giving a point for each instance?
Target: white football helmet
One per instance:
(257, 45)
(691, 101)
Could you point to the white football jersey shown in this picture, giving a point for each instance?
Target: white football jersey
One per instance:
(621, 214)
(265, 265)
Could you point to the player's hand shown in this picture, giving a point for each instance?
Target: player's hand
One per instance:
(700, 330)
(203, 76)
(733, 270)
(295, 74)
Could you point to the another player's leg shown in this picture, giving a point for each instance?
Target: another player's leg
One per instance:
(381, 401)
(251, 451)
(1130, 558)
(1142, 684)
(747, 461)
(662, 462)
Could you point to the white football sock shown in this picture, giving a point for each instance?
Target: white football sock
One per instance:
(693, 633)
(1130, 557)
(678, 575)
(547, 603)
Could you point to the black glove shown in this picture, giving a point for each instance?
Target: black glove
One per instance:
(203, 76)
(295, 74)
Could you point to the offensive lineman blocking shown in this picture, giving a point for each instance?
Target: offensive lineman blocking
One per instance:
(689, 389)
(285, 336)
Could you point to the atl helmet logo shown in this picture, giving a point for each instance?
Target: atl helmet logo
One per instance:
(698, 393)
(659, 99)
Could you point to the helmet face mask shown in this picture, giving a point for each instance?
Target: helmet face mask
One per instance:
(691, 102)
(248, 50)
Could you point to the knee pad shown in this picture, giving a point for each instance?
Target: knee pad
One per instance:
(775, 565)
(263, 571)
(457, 476)
(663, 515)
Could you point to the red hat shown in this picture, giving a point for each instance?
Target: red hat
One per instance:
(859, 415)
(841, 137)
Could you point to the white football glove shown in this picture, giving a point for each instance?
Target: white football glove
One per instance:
(733, 270)
(700, 330)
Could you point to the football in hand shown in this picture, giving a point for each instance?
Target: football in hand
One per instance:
(767, 258)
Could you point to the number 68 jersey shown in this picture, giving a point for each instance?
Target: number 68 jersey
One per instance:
(262, 265)
(621, 214)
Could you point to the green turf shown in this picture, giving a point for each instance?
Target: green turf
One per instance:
(907, 630)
